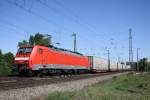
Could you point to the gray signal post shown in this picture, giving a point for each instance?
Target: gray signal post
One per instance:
(137, 59)
(130, 47)
(108, 52)
(118, 63)
(75, 42)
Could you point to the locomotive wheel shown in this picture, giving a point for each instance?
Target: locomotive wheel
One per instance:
(40, 74)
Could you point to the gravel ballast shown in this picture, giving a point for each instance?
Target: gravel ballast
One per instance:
(39, 91)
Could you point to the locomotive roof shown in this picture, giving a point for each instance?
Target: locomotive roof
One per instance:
(61, 49)
(55, 48)
(26, 46)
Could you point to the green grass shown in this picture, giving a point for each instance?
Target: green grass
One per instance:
(128, 87)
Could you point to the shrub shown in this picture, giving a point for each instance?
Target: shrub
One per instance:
(4, 69)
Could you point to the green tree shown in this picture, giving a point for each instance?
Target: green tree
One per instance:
(41, 39)
(24, 42)
(6, 62)
(4, 68)
(1, 56)
(143, 64)
(31, 40)
(148, 65)
(37, 39)
(9, 58)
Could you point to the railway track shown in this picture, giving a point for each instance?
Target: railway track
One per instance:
(7, 83)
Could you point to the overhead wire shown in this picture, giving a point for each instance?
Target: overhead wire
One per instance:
(75, 20)
(74, 15)
(16, 28)
(34, 13)
(37, 15)
(46, 5)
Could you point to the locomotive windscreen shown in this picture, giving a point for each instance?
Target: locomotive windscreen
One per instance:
(25, 50)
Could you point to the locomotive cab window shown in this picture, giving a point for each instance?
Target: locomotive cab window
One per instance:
(28, 50)
(40, 51)
(21, 50)
(24, 50)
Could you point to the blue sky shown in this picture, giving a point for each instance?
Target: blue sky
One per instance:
(98, 24)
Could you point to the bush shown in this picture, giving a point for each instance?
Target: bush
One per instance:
(6, 62)
(4, 69)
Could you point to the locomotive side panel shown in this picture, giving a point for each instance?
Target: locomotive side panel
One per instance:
(53, 59)
(37, 57)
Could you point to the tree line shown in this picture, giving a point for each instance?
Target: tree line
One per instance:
(37, 39)
(6, 63)
(143, 65)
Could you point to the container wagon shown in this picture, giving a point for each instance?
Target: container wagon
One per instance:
(101, 65)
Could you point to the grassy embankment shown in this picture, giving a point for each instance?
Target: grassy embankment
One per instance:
(128, 87)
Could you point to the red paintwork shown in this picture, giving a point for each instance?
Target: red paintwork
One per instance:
(51, 56)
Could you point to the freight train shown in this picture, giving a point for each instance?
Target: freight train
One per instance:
(39, 60)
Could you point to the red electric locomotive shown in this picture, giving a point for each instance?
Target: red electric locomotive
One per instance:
(40, 59)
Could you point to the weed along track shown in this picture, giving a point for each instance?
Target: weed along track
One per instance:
(7, 83)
